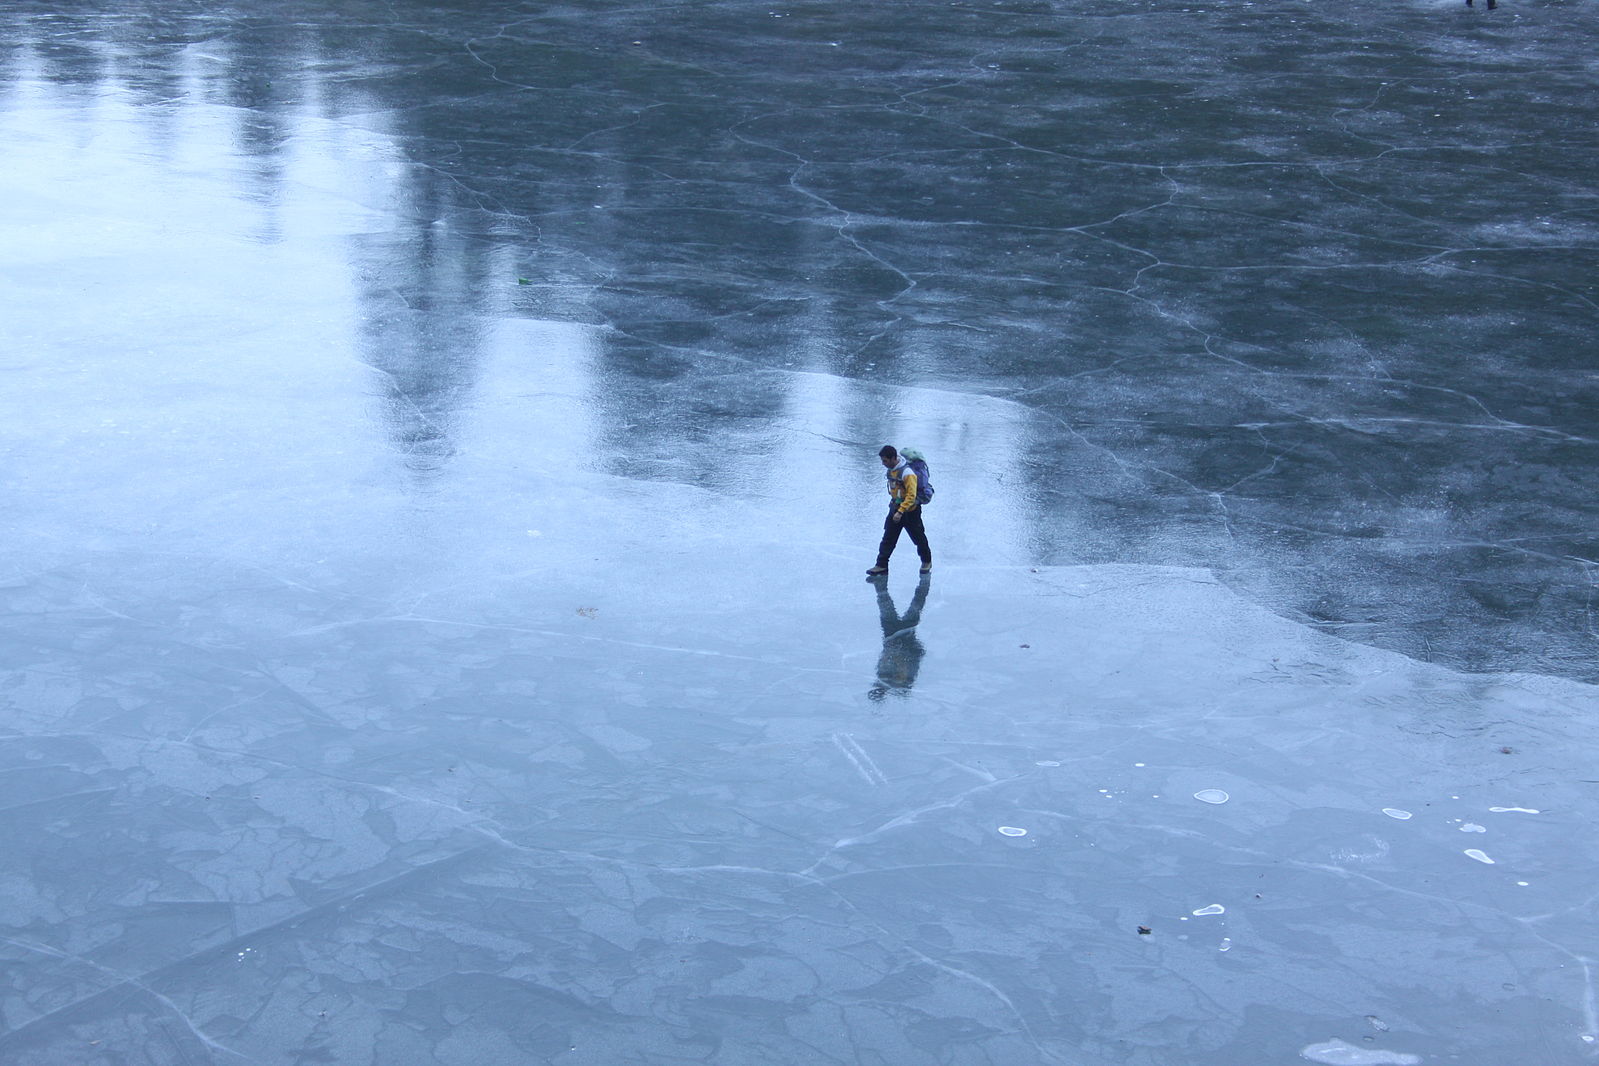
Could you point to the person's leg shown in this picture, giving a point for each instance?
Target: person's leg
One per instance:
(913, 614)
(918, 534)
(891, 530)
(887, 614)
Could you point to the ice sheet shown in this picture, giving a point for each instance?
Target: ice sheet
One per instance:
(439, 452)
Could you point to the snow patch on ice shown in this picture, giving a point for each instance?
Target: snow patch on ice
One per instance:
(1337, 1052)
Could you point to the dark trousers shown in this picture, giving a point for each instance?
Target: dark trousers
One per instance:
(912, 524)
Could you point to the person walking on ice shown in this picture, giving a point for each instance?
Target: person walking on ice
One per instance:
(908, 488)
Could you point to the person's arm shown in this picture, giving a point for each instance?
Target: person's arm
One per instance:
(907, 482)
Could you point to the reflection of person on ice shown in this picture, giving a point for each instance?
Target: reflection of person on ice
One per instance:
(902, 651)
(906, 493)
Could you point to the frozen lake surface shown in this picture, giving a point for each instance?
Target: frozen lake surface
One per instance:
(438, 451)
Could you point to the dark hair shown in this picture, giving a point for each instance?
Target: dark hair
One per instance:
(887, 452)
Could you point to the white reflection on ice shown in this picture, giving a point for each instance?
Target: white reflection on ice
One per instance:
(1211, 795)
(1474, 853)
(1517, 810)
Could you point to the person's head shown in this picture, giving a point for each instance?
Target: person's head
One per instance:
(888, 455)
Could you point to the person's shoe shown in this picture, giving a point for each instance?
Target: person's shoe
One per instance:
(877, 571)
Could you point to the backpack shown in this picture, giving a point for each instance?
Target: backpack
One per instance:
(924, 482)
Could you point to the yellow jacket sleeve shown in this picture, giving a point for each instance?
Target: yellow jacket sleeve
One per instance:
(907, 499)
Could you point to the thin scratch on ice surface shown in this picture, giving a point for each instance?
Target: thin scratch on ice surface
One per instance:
(863, 763)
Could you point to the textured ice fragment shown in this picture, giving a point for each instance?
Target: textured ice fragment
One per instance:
(1211, 795)
(1214, 908)
(1474, 853)
(1517, 810)
(1376, 851)
(1472, 827)
(1012, 831)
(1394, 812)
(1337, 1052)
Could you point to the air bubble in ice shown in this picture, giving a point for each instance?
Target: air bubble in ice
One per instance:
(1517, 810)
(1394, 812)
(1337, 1052)
(1226, 944)
(1472, 827)
(1214, 908)
(1473, 853)
(1012, 831)
(1211, 795)
(1046, 762)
